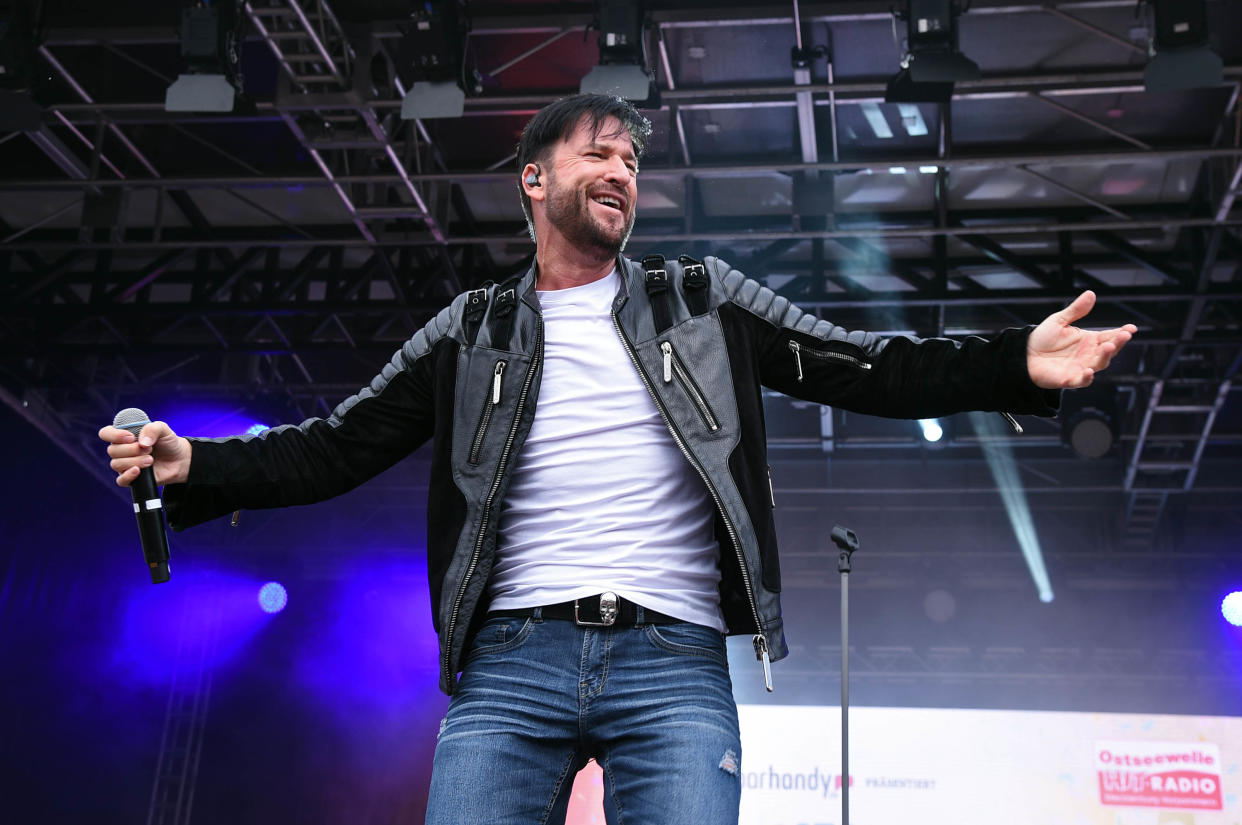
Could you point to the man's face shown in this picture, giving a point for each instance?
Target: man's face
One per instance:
(592, 187)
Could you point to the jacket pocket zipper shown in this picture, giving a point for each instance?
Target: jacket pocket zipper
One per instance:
(485, 418)
(674, 367)
(759, 640)
(828, 355)
(446, 654)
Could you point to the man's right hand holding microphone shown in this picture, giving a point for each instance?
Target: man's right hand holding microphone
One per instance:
(156, 446)
(145, 455)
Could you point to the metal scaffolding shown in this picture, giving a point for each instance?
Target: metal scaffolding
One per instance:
(129, 278)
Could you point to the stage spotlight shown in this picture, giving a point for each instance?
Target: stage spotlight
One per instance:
(273, 597)
(210, 46)
(1181, 58)
(1231, 608)
(933, 62)
(1089, 421)
(1089, 433)
(432, 58)
(932, 431)
(622, 69)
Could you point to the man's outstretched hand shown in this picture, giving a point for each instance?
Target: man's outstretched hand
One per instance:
(1060, 356)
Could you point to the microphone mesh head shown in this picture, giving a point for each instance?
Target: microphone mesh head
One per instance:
(132, 419)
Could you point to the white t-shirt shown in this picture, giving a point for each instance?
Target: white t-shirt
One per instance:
(601, 497)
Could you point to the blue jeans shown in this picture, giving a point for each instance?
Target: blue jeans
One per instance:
(652, 704)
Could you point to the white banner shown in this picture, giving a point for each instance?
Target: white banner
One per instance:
(977, 767)
(962, 767)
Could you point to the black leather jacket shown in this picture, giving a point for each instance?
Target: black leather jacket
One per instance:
(704, 339)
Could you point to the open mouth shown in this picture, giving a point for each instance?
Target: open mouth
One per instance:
(609, 201)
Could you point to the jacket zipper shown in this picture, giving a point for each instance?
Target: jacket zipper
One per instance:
(830, 355)
(674, 366)
(491, 497)
(797, 350)
(759, 640)
(485, 418)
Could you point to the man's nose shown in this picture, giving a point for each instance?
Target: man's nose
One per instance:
(616, 170)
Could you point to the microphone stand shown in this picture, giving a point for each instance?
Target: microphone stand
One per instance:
(847, 543)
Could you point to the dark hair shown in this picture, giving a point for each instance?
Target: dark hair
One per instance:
(557, 121)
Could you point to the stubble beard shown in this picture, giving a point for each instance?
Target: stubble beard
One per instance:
(570, 212)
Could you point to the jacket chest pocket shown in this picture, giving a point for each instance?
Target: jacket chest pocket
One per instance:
(675, 370)
(490, 402)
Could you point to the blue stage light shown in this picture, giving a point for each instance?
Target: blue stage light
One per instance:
(211, 612)
(206, 419)
(1231, 608)
(273, 597)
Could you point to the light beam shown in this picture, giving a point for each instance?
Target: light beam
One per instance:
(1005, 473)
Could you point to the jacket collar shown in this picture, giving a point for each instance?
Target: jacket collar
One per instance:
(526, 287)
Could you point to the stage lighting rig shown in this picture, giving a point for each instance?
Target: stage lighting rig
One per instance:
(433, 60)
(18, 46)
(1180, 55)
(622, 68)
(933, 61)
(210, 51)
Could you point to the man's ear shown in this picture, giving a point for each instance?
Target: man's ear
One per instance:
(532, 181)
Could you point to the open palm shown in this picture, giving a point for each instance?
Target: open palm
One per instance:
(1059, 355)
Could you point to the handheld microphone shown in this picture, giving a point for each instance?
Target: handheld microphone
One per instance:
(148, 508)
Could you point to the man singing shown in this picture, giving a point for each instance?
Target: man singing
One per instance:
(600, 509)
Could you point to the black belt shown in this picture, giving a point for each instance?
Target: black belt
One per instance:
(603, 610)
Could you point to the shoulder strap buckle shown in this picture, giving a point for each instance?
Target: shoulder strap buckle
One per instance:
(476, 308)
(694, 274)
(694, 283)
(476, 301)
(657, 275)
(657, 292)
(506, 300)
